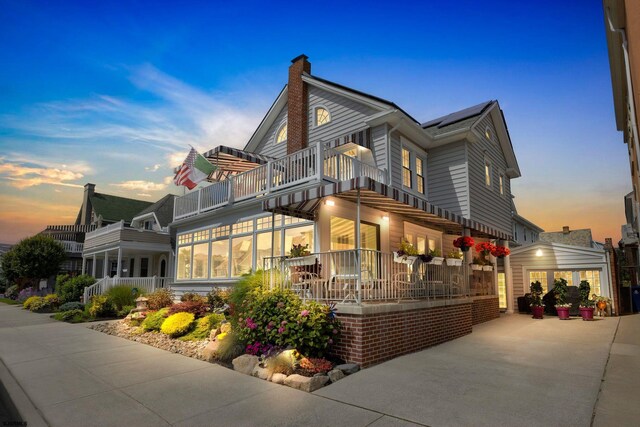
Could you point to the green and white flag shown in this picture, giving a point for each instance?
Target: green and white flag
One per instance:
(194, 169)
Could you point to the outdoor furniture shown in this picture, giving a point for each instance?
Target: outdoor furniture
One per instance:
(408, 285)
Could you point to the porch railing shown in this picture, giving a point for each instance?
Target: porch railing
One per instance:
(72, 247)
(314, 163)
(364, 275)
(148, 284)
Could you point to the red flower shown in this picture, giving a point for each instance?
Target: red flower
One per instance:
(463, 242)
(485, 247)
(500, 251)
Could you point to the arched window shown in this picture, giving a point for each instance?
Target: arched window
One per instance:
(281, 136)
(487, 133)
(322, 116)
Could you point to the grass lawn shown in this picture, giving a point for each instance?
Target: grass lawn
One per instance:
(9, 301)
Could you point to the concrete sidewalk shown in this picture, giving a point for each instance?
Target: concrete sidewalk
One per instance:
(512, 371)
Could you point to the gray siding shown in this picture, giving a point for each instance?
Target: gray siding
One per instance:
(447, 178)
(267, 145)
(379, 146)
(346, 115)
(486, 204)
(396, 161)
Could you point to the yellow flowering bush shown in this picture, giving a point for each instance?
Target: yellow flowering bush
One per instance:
(177, 324)
(30, 302)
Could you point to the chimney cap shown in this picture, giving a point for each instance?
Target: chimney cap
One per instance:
(88, 184)
(565, 229)
(299, 57)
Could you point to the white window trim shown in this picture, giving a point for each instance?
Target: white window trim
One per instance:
(315, 116)
(502, 178)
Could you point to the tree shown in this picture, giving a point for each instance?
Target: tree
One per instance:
(32, 259)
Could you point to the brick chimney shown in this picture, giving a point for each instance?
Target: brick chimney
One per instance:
(297, 105)
(85, 216)
(565, 229)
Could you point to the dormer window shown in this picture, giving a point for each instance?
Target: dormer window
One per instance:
(148, 225)
(281, 136)
(322, 116)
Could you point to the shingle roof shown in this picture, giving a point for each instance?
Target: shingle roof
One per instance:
(163, 209)
(457, 120)
(115, 208)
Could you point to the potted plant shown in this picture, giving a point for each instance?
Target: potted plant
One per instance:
(601, 304)
(500, 251)
(454, 258)
(537, 307)
(407, 254)
(464, 243)
(436, 256)
(560, 290)
(300, 260)
(586, 305)
(477, 263)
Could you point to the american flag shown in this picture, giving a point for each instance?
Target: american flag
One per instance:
(184, 173)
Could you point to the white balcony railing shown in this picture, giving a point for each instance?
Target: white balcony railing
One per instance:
(310, 164)
(72, 247)
(105, 230)
(364, 275)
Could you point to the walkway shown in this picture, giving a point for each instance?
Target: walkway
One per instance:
(511, 371)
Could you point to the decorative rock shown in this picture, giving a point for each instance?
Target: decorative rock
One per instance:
(260, 372)
(213, 334)
(348, 368)
(225, 327)
(209, 352)
(307, 384)
(278, 378)
(335, 375)
(245, 363)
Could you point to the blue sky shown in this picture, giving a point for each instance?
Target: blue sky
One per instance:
(112, 93)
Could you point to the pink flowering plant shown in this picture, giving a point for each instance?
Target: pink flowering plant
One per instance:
(278, 318)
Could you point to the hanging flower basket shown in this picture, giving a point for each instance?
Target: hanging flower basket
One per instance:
(436, 260)
(487, 267)
(404, 259)
(500, 251)
(302, 260)
(463, 243)
(454, 262)
(476, 267)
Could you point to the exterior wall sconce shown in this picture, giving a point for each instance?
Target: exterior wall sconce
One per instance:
(539, 252)
(385, 217)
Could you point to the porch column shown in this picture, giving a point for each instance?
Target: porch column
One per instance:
(93, 266)
(508, 279)
(119, 261)
(105, 266)
(358, 250)
(84, 264)
(467, 258)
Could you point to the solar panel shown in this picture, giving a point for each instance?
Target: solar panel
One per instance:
(458, 115)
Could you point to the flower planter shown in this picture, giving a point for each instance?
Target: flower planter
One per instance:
(404, 259)
(436, 260)
(454, 262)
(487, 267)
(476, 267)
(586, 313)
(537, 311)
(302, 260)
(563, 313)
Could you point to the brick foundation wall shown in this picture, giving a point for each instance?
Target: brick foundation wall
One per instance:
(485, 309)
(368, 339)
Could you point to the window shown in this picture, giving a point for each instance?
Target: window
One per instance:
(540, 276)
(243, 227)
(487, 172)
(264, 246)
(218, 232)
(241, 255)
(185, 238)
(298, 236)
(420, 174)
(566, 275)
(201, 235)
(200, 261)
(281, 136)
(406, 168)
(144, 267)
(220, 258)
(343, 233)
(501, 184)
(322, 116)
(487, 133)
(593, 277)
(148, 225)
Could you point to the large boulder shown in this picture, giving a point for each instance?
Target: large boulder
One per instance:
(278, 378)
(348, 368)
(245, 363)
(260, 372)
(307, 384)
(209, 352)
(335, 375)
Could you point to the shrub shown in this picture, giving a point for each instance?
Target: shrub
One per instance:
(74, 305)
(11, 292)
(101, 306)
(159, 299)
(154, 320)
(177, 324)
(26, 293)
(247, 285)
(30, 301)
(315, 365)
(197, 308)
(229, 347)
(71, 316)
(204, 326)
(192, 296)
(281, 362)
(73, 288)
(123, 295)
(125, 310)
(218, 298)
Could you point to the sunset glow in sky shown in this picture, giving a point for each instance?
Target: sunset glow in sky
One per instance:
(114, 94)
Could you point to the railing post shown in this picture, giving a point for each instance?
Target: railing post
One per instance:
(199, 197)
(320, 160)
(269, 177)
(232, 181)
(153, 283)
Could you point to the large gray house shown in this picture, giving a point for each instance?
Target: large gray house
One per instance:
(351, 175)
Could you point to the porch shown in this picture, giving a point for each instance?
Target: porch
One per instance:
(146, 284)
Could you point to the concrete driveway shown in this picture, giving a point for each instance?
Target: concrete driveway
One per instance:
(513, 371)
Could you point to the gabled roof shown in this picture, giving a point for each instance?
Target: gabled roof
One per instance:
(457, 120)
(163, 210)
(580, 237)
(115, 208)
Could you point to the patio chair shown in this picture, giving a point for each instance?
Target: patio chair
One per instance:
(408, 285)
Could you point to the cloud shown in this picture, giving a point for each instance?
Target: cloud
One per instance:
(153, 168)
(141, 185)
(23, 176)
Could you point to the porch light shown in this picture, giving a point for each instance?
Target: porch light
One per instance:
(539, 252)
(329, 202)
(385, 217)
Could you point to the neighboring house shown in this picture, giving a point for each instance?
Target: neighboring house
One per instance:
(350, 175)
(524, 231)
(97, 210)
(569, 254)
(622, 24)
(138, 248)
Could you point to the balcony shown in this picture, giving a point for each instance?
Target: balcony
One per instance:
(72, 247)
(365, 276)
(311, 165)
(118, 232)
